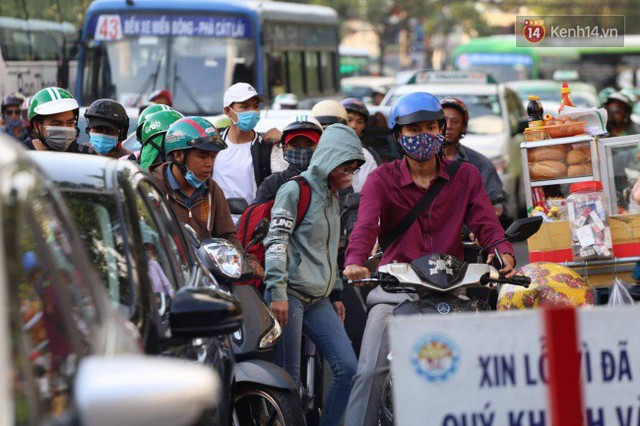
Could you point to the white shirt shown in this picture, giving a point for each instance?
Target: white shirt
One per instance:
(368, 166)
(233, 171)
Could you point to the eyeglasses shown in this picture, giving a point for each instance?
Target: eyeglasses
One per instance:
(351, 171)
(11, 112)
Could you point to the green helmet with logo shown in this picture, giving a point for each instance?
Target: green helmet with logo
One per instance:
(157, 124)
(193, 132)
(50, 101)
(151, 109)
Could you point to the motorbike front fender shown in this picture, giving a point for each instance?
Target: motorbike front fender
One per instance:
(264, 373)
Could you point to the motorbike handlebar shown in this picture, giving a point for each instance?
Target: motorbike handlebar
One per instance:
(520, 280)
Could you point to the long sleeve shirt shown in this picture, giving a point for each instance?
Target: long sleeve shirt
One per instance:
(389, 195)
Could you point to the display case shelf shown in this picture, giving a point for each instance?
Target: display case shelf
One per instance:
(563, 181)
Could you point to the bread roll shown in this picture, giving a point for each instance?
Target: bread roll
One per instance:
(579, 170)
(549, 169)
(579, 155)
(545, 153)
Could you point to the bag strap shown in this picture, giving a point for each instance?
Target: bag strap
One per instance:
(421, 205)
(304, 200)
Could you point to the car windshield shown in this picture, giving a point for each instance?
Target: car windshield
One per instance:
(485, 113)
(197, 70)
(96, 217)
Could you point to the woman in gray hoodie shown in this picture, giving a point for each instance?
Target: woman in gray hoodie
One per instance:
(302, 266)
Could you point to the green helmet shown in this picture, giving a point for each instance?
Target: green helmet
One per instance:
(193, 132)
(52, 100)
(151, 109)
(158, 123)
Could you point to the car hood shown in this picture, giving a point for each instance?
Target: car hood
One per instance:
(491, 146)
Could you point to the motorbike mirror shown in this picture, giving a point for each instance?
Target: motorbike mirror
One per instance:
(259, 233)
(192, 235)
(204, 312)
(522, 229)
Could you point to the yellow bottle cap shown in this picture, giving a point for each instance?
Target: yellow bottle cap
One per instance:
(534, 98)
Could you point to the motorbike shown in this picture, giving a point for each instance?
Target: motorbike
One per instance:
(264, 393)
(437, 284)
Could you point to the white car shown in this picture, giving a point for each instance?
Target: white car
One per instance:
(496, 122)
(67, 357)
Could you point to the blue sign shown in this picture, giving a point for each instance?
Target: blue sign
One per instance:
(117, 26)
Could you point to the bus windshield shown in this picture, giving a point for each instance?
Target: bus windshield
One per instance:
(196, 69)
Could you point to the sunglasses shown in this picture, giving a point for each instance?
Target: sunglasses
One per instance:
(11, 112)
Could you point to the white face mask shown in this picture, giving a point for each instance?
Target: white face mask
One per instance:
(59, 138)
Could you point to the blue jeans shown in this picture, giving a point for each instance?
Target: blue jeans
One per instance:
(322, 325)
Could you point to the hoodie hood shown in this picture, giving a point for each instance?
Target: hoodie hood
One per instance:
(338, 144)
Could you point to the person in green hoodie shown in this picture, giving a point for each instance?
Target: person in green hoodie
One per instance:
(301, 266)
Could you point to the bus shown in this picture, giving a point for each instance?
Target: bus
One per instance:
(611, 66)
(499, 56)
(197, 49)
(31, 53)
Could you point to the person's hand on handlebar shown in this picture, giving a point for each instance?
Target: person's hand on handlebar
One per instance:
(509, 264)
(356, 272)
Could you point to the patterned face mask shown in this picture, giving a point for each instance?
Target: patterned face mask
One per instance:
(422, 147)
(299, 158)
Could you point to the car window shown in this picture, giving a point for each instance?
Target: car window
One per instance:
(97, 218)
(51, 314)
(170, 225)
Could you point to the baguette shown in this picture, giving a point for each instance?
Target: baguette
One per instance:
(555, 153)
(579, 170)
(548, 169)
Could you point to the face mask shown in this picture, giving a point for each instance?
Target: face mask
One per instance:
(59, 137)
(193, 180)
(247, 120)
(103, 144)
(14, 124)
(422, 147)
(299, 158)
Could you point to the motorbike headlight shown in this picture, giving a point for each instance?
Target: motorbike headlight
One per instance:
(226, 257)
(501, 163)
(271, 337)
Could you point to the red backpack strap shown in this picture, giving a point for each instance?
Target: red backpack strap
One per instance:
(304, 201)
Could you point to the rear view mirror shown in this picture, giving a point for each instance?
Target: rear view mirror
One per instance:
(192, 236)
(522, 229)
(134, 390)
(204, 312)
(260, 232)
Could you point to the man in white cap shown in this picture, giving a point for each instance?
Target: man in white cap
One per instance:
(246, 162)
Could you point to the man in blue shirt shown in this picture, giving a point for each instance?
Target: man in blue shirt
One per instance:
(457, 117)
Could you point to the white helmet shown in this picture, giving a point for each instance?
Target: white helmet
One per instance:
(329, 112)
(285, 101)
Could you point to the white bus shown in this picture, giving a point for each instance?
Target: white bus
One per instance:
(31, 52)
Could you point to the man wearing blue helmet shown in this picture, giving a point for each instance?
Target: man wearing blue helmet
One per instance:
(391, 192)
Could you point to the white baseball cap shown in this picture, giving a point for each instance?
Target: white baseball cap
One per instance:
(240, 92)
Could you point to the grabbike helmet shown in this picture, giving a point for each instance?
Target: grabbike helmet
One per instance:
(329, 112)
(109, 113)
(304, 125)
(151, 109)
(50, 101)
(551, 285)
(356, 105)
(193, 132)
(413, 108)
(459, 105)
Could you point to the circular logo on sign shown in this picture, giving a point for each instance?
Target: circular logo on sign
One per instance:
(534, 30)
(435, 357)
(443, 308)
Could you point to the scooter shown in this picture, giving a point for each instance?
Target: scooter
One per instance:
(264, 392)
(437, 284)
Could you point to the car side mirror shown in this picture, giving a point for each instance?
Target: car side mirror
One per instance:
(523, 123)
(204, 312)
(192, 236)
(522, 229)
(117, 391)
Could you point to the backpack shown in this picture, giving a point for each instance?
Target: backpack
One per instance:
(255, 213)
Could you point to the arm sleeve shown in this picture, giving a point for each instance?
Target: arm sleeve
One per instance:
(367, 226)
(480, 216)
(276, 244)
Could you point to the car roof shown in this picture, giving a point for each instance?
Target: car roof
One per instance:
(83, 172)
(368, 81)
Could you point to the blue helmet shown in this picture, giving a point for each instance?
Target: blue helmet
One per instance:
(415, 107)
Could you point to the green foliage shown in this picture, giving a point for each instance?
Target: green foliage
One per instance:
(53, 10)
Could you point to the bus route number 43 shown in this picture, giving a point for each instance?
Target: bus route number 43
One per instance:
(108, 27)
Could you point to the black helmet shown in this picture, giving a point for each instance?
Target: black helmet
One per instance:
(356, 105)
(109, 113)
(11, 100)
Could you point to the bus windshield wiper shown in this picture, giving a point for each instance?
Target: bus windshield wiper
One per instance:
(152, 79)
(177, 79)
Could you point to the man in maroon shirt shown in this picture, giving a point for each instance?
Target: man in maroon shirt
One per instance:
(389, 194)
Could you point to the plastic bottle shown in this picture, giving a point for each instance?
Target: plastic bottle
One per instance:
(535, 112)
(566, 99)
